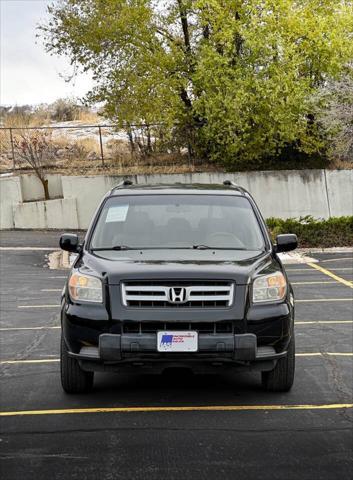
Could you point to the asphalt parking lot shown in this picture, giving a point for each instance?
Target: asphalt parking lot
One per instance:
(177, 425)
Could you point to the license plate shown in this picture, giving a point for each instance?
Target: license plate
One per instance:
(177, 341)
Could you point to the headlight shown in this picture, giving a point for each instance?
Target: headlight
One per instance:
(85, 288)
(269, 288)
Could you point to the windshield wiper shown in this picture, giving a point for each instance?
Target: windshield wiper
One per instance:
(126, 247)
(206, 247)
(115, 247)
(194, 247)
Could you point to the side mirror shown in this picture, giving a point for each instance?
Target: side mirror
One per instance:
(69, 242)
(286, 242)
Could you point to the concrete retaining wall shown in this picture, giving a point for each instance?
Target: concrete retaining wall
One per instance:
(88, 192)
(61, 214)
(340, 192)
(283, 194)
(10, 195)
(32, 188)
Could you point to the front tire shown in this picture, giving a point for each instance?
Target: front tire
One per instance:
(281, 378)
(73, 378)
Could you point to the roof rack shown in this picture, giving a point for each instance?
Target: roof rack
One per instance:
(125, 183)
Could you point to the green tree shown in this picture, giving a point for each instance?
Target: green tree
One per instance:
(234, 78)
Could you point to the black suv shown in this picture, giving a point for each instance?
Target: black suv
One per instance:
(177, 276)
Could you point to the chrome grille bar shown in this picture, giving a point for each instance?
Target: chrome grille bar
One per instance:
(178, 295)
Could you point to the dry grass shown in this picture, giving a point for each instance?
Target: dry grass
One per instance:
(21, 120)
(163, 164)
(63, 149)
(89, 145)
(88, 117)
(118, 149)
(42, 116)
(133, 169)
(95, 167)
(77, 149)
(82, 156)
(336, 164)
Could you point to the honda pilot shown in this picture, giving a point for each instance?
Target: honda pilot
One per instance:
(177, 276)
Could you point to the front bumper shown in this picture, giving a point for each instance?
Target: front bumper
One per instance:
(258, 338)
(114, 348)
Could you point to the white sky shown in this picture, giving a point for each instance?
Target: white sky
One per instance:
(29, 75)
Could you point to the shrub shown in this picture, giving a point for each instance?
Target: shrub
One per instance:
(35, 149)
(311, 232)
(66, 110)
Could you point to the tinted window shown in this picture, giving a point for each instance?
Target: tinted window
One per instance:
(169, 221)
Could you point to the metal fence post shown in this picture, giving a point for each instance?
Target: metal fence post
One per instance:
(101, 144)
(12, 150)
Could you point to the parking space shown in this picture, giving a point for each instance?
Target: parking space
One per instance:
(177, 425)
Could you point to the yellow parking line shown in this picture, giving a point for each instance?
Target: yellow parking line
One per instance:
(202, 408)
(5, 329)
(332, 275)
(38, 306)
(324, 300)
(51, 360)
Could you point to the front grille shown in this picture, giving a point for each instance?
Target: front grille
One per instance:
(178, 294)
(201, 327)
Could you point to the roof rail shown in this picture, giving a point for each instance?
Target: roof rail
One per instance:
(229, 183)
(125, 183)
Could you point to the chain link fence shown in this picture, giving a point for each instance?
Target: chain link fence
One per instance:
(98, 143)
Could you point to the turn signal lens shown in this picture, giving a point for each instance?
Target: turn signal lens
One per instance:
(85, 288)
(269, 288)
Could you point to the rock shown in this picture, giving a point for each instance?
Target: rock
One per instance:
(61, 153)
(92, 156)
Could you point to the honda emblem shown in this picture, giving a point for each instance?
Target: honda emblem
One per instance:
(177, 295)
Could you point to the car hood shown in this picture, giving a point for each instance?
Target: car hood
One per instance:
(117, 266)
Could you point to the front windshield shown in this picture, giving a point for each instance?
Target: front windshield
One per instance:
(178, 221)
